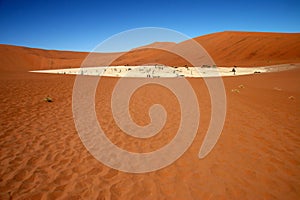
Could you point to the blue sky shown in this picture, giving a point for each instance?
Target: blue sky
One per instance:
(81, 25)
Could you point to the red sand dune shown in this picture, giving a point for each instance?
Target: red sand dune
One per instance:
(243, 49)
(42, 156)
(226, 48)
(157, 45)
(14, 58)
(252, 49)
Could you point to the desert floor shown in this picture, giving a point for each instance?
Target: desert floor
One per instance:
(256, 157)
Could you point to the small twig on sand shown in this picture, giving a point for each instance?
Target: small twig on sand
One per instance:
(48, 99)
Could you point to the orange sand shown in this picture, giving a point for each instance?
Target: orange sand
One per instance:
(256, 157)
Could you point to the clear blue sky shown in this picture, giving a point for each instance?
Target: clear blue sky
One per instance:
(81, 25)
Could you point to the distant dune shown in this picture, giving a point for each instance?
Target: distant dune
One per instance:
(251, 48)
(243, 49)
(157, 45)
(228, 48)
(15, 58)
